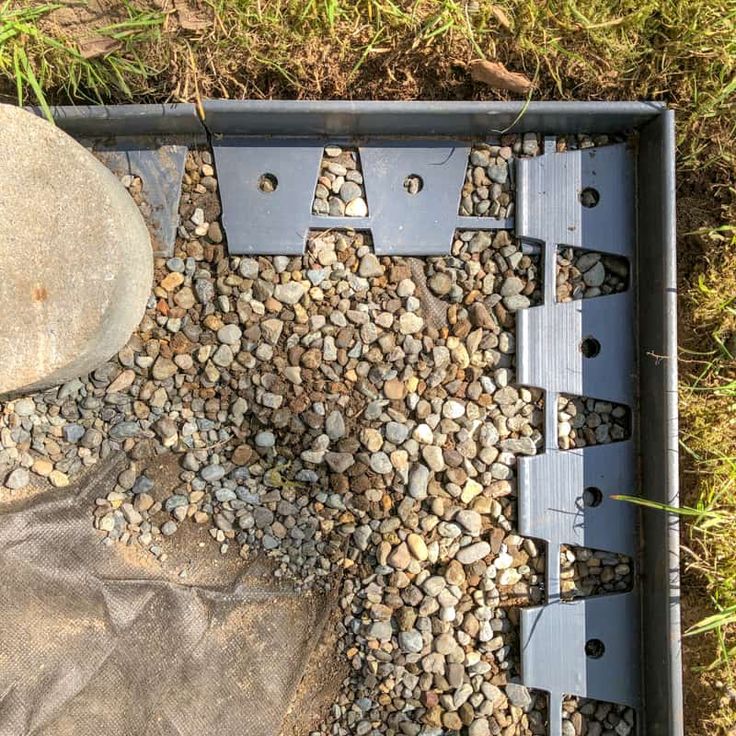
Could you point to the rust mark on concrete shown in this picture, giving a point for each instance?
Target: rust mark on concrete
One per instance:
(39, 293)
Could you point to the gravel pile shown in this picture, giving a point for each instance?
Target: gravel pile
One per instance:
(583, 421)
(583, 140)
(340, 191)
(582, 274)
(585, 572)
(582, 717)
(134, 185)
(355, 419)
(488, 188)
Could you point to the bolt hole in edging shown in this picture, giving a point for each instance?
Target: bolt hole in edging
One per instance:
(590, 347)
(592, 497)
(594, 648)
(413, 184)
(589, 197)
(268, 183)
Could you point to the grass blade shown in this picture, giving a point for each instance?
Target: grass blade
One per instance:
(18, 75)
(716, 621)
(35, 86)
(679, 510)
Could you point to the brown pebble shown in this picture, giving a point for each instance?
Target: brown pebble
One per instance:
(452, 721)
(171, 281)
(394, 389)
(241, 455)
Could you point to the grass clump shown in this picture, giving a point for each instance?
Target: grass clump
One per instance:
(708, 409)
(708, 401)
(38, 58)
(679, 51)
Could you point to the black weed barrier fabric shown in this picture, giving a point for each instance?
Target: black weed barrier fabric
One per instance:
(98, 639)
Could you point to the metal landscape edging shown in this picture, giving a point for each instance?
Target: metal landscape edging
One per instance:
(265, 125)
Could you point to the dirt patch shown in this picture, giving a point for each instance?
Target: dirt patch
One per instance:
(706, 429)
(192, 554)
(710, 699)
(89, 23)
(320, 684)
(79, 20)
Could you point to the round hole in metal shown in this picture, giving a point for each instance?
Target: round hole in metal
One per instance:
(592, 496)
(590, 347)
(268, 183)
(594, 648)
(413, 184)
(590, 197)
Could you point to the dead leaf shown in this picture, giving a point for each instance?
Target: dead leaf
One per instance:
(496, 75)
(191, 19)
(94, 47)
(500, 15)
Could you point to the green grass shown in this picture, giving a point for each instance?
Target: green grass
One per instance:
(708, 439)
(711, 553)
(681, 51)
(711, 524)
(38, 61)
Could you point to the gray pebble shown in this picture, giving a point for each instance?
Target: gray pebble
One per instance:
(212, 473)
(18, 479)
(518, 695)
(419, 481)
(380, 463)
(370, 266)
(73, 432)
(176, 501)
(290, 293)
(229, 334)
(396, 432)
(248, 268)
(24, 407)
(473, 553)
(168, 528)
(265, 439)
(350, 191)
(335, 425)
(411, 641)
(124, 430)
(595, 276)
(142, 484)
(380, 630)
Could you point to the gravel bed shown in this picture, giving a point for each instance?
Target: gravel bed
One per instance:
(585, 572)
(340, 191)
(489, 255)
(583, 421)
(352, 417)
(582, 274)
(488, 188)
(585, 140)
(134, 185)
(583, 717)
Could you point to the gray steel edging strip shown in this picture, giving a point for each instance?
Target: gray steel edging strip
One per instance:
(338, 117)
(659, 427)
(551, 484)
(420, 119)
(657, 290)
(127, 120)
